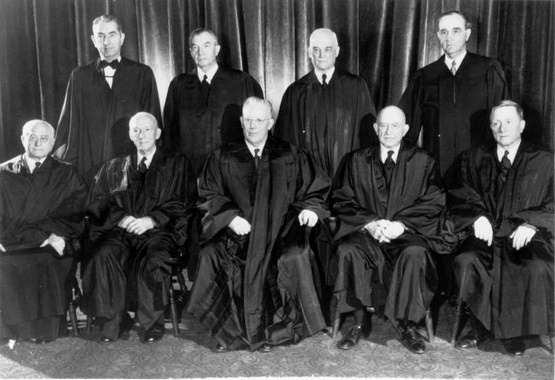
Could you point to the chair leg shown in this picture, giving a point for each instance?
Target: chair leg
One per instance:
(173, 306)
(73, 319)
(89, 326)
(336, 323)
(457, 326)
(552, 340)
(430, 326)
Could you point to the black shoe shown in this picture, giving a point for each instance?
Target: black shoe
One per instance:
(351, 339)
(154, 334)
(413, 340)
(266, 348)
(220, 348)
(514, 346)
(472, 340)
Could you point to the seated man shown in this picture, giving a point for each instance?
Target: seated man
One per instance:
(41, 210)
(254, 287)
(388, 200)
(138, 207)
(502, 204)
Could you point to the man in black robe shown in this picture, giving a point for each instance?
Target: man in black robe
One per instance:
(100, 98)
(449, 100)
(41, 213)
(327, 112)
(138, 207)
(203, 107)
(388, 200)
(502, 205)
(254, 287)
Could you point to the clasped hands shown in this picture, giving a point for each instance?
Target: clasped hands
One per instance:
(384, 230)
(136, 226)
(242, 227)
(521, 236)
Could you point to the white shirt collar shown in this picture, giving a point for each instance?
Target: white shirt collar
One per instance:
(384, 150)
(252, 148)
(209, 75)
(148, 158)
(512, 152)
(31, 162)
(458, 61)
(329, 74)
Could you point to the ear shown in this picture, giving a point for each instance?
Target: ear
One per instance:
(376, 128)
(23, 141)
(218, 47)
(522, 125)
(271, 123)
(158, 133)
(122, 37)
(467, 32)
(337, 51)
(405, 129)
(92, 39)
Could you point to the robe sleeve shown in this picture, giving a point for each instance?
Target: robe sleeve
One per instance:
(171, 132)
(496, 84)
(312, 187)
(410, 103)
(150, 102)
(69, 118)
(345, 205)
(366, 112)
(251, 87)
(218, 208)
(286, 124)
(465, 202)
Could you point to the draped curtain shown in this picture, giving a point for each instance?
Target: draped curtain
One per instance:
(384, 41)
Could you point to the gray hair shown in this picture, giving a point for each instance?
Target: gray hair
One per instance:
(28, 126)
(508, 103)
(467, 23)
(139, 115)
(198, 31)
(323, 30)
(108, 18)
(257, 100)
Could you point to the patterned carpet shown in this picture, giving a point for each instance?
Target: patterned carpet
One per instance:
(192, 355)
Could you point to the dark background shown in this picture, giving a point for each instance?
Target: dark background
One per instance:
(384, 41)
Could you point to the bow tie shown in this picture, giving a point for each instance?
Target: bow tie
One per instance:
(114, 64)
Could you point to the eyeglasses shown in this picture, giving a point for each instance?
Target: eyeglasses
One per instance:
(255, 121)
(387, 125)
(43, 139)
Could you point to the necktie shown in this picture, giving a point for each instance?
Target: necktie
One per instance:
(37, 165)
(388, 166)
(142, 166)
(114, 64)
(204, 90)
(324, 77)
(256, 157)
(502, 177)
(454, 68)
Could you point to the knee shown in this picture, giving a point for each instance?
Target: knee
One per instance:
(293, 256)
(102, 254)
(464, 260)
(536, 268)
(415, 255)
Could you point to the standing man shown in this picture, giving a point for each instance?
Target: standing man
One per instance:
(139, 208)
(100, 98)
(325, 112)
(254, 287)
(203, 107)
(502, 204)
(42, 203)
(388, 200)
(449, 100)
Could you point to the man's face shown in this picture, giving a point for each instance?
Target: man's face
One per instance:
(506, 126)
(107, 40)
(453, 35)
(38, 141)
(256, 122)
(323, 50)
(390, 127)
(204, 50)
(144, 134)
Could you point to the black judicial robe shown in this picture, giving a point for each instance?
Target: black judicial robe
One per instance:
(521, 302)
(166, 193)
(327, 122)
(245, 308)
(453, 111)
(35, 283)
(416, 198)
(94, 120)
(196, 128)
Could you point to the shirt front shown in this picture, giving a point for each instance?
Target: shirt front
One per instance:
(148, 158)
(209, 75)
(109, 73)
(384, 150)
(329, 74)
(32, 163)
(458, 61)
(252, 148)
(512, 152)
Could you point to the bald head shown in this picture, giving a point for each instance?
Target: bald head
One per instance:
(323, 49)
(391, 127)
(37, 137)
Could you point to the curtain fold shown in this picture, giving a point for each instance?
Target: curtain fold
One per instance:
(384, 41)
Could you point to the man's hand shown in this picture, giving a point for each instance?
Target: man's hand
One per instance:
(483, 230)
(377, 230)
(2, 248)
(56, 242)
(522, 235)
(240, 226)
(139, 226)
(125, 221)
(392, 230)
(308, 218)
